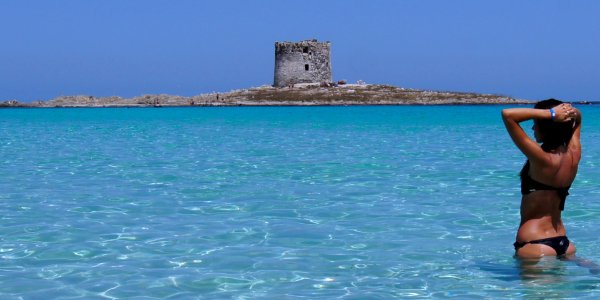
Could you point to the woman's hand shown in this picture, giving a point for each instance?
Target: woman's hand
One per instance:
(565, 113)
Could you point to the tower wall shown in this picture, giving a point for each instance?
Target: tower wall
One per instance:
(302, 62)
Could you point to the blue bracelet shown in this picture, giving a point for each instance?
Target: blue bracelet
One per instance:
(552, 114)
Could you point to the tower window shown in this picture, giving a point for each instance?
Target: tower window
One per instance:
(305, 50)
(306, 67)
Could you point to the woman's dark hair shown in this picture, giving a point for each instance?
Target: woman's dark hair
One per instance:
(554, 134)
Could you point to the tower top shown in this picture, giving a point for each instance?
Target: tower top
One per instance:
(305, 61)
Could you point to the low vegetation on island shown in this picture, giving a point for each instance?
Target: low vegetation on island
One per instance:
(296, 95)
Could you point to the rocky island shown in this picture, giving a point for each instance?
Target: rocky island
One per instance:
(302, 77)
(305, 94)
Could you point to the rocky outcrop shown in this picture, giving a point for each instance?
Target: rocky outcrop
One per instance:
(297, 95)
(10, 103)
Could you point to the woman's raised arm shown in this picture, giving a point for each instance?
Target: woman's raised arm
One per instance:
(512, 117)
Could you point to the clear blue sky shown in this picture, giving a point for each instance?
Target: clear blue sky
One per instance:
(527, 49)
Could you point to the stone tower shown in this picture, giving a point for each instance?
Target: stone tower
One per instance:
(302, 62)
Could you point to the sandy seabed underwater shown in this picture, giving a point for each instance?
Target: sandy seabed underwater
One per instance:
(278, 202)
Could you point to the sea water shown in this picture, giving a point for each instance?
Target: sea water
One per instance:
(278, 203)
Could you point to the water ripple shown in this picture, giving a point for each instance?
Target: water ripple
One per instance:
(290, 203)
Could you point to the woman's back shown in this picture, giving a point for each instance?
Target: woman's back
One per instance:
(541, 208)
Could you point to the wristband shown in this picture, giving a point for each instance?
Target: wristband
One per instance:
(552, 114)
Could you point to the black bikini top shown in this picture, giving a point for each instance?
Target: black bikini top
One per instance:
(529, 185)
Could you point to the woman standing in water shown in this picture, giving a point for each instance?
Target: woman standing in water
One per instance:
(546, 176)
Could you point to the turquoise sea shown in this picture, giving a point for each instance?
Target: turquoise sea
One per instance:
(405, 202)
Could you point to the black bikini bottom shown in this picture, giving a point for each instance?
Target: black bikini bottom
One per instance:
(558, 243)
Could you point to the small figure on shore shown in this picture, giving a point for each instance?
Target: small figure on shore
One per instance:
(547, 174)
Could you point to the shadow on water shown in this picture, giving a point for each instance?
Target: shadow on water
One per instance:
(502, 271)
(547, 268)
(548, 276)
(541, 271)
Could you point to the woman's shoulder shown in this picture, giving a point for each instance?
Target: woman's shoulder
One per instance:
(553, 163)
